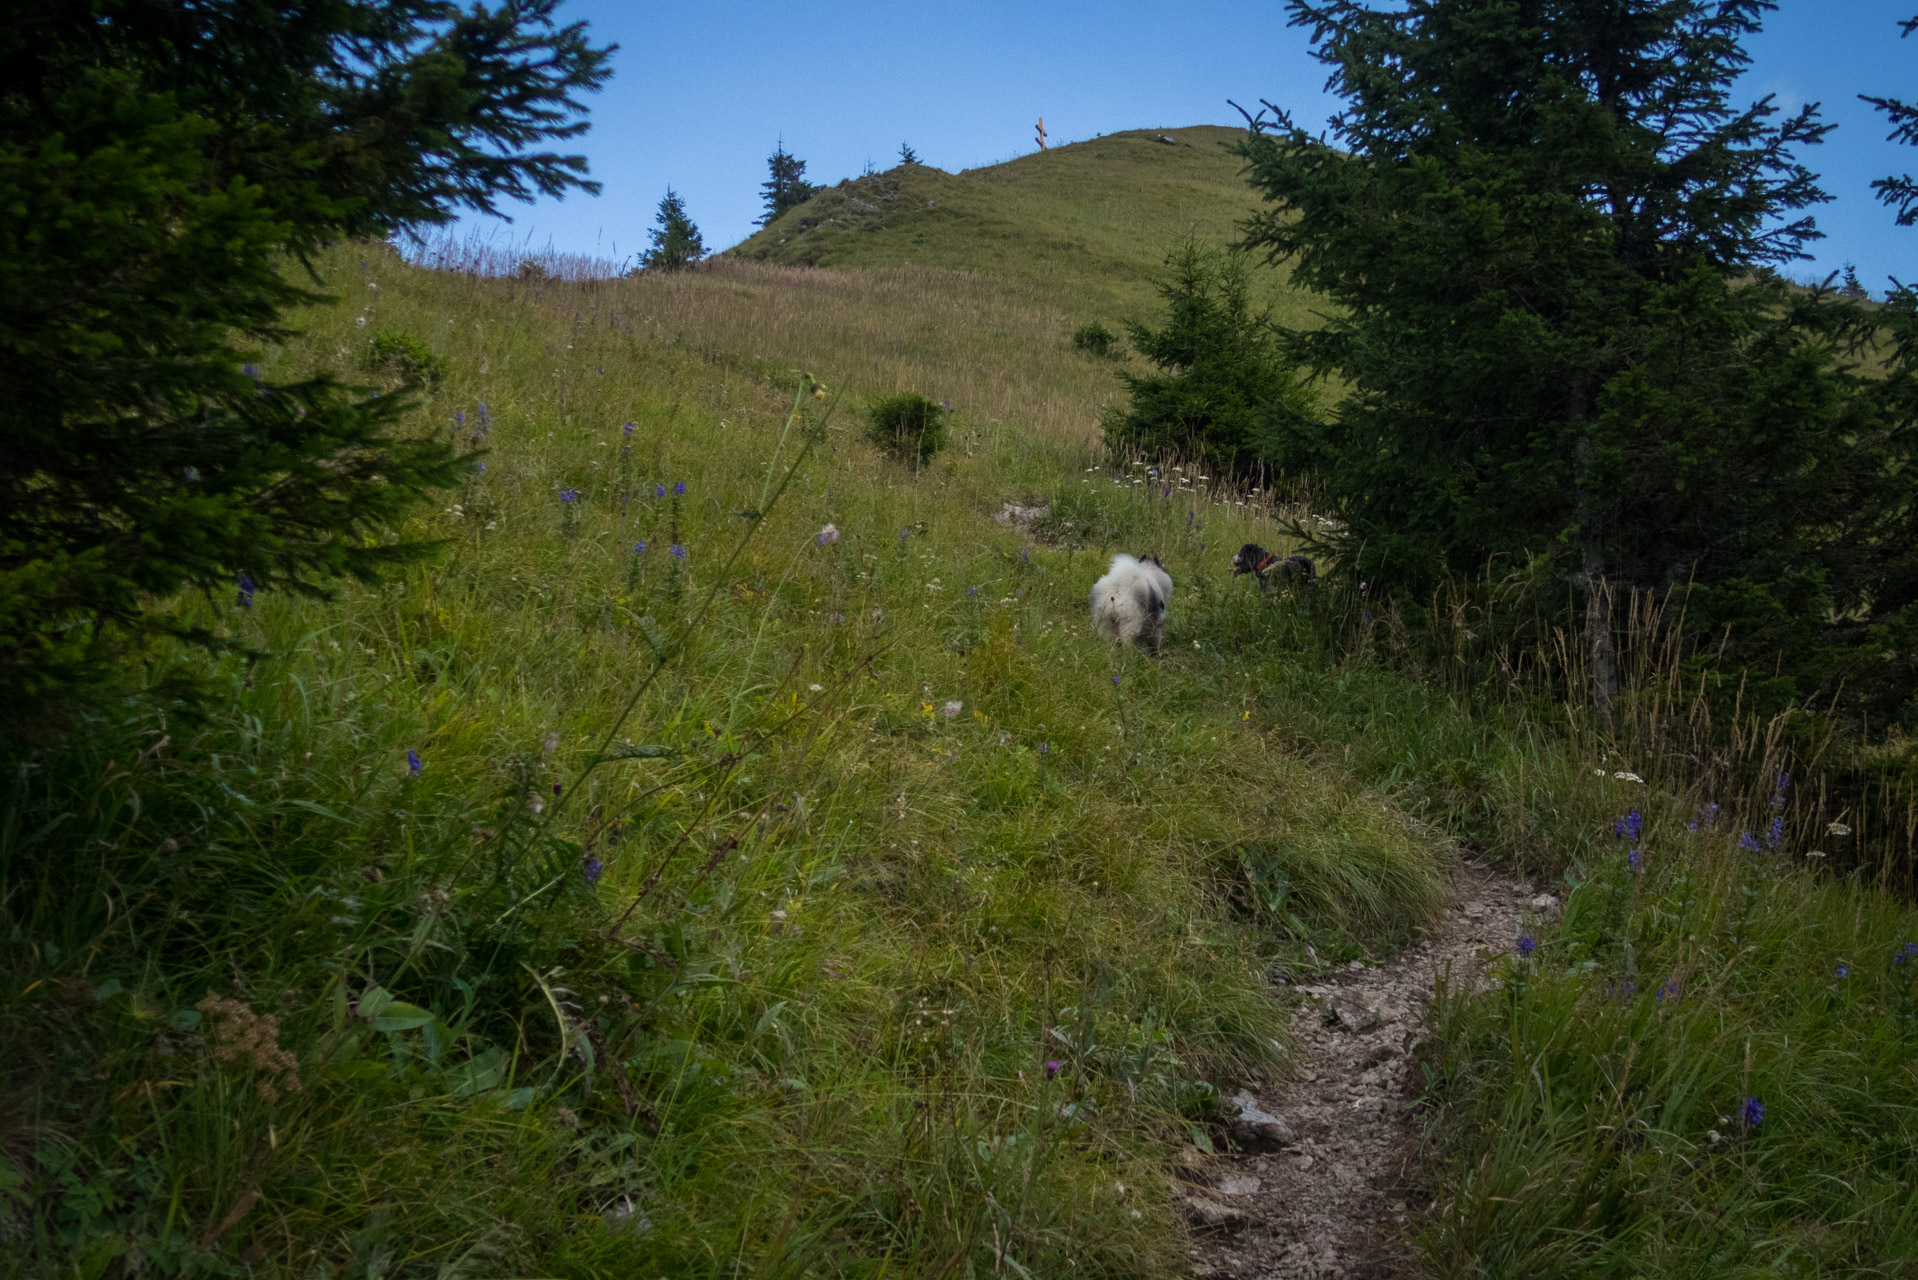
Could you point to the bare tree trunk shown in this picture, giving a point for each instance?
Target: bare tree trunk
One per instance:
(1598, 634)
(1599, 647)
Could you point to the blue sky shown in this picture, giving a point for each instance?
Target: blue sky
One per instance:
(701, 94)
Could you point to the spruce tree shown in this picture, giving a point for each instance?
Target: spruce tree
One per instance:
(676, 241)
(1221, 394)
(1901, 191)
(907, 155)
(787, 187)
(167, 174)
(1550, 238)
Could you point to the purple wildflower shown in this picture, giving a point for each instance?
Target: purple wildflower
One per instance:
(659, 491)
(413, 763)
(1115, 682)
(593, 869)
(556, 788)
(250, 370)
(1905, 953)
(626, 430)
(1045, 748)
(1635, 858)
(1629, 826)
(679, 489)
(1751, 1113)
(676, 551)
(972, 591)
(486, 415)
(1844, 970)
(479, 468)
(1775, 835)
(1748, 842)
(1052, 1069)
(247, 588)
(1667, 990)
(639, 548)
(1526, 945)
(569, 495)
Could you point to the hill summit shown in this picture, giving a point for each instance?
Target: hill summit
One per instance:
(1098, 214)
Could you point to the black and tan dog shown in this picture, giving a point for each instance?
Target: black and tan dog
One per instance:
(1272, 571)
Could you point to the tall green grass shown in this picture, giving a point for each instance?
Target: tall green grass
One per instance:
(841, 908)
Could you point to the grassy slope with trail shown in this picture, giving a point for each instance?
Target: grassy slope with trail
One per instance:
(800, 1017)
(777, 992)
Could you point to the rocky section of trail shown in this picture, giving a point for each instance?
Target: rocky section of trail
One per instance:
(1325, 1187)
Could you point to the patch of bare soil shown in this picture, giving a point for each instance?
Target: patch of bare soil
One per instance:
(1325, 1186)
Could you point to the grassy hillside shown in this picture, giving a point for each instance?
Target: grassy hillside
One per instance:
(904, 925)
(1091, 221)
(646, 889)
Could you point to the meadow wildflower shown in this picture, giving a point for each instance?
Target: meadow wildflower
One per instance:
(1844, 970)
(626, 430)
(1837, 829)
(676, 551)
(246, 590)
(479, 468)
(1629, 826)
(593, 868)
(1045, 748)
(1052, 1069)
(1526, 945)
(1635, 858)
(953, 708)
(639, 548)
(1115, 682)
(413, 763)
(486, 415)
(250, 370)
(1905, 953)
(972, 591)
(1751, 1113)
(1748, 842)
(1775, 835)
(1667, 990)
(569, 495)
(828, 535)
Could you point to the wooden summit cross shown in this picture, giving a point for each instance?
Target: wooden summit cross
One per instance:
(1042, 133)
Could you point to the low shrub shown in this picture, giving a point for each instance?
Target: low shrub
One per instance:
(907, 427)
(1095, 339)
(396, 352)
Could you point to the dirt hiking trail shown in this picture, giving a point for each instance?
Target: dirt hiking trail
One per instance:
(1325, 1186)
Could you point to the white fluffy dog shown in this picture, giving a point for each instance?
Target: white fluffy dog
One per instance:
(1129, 602)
